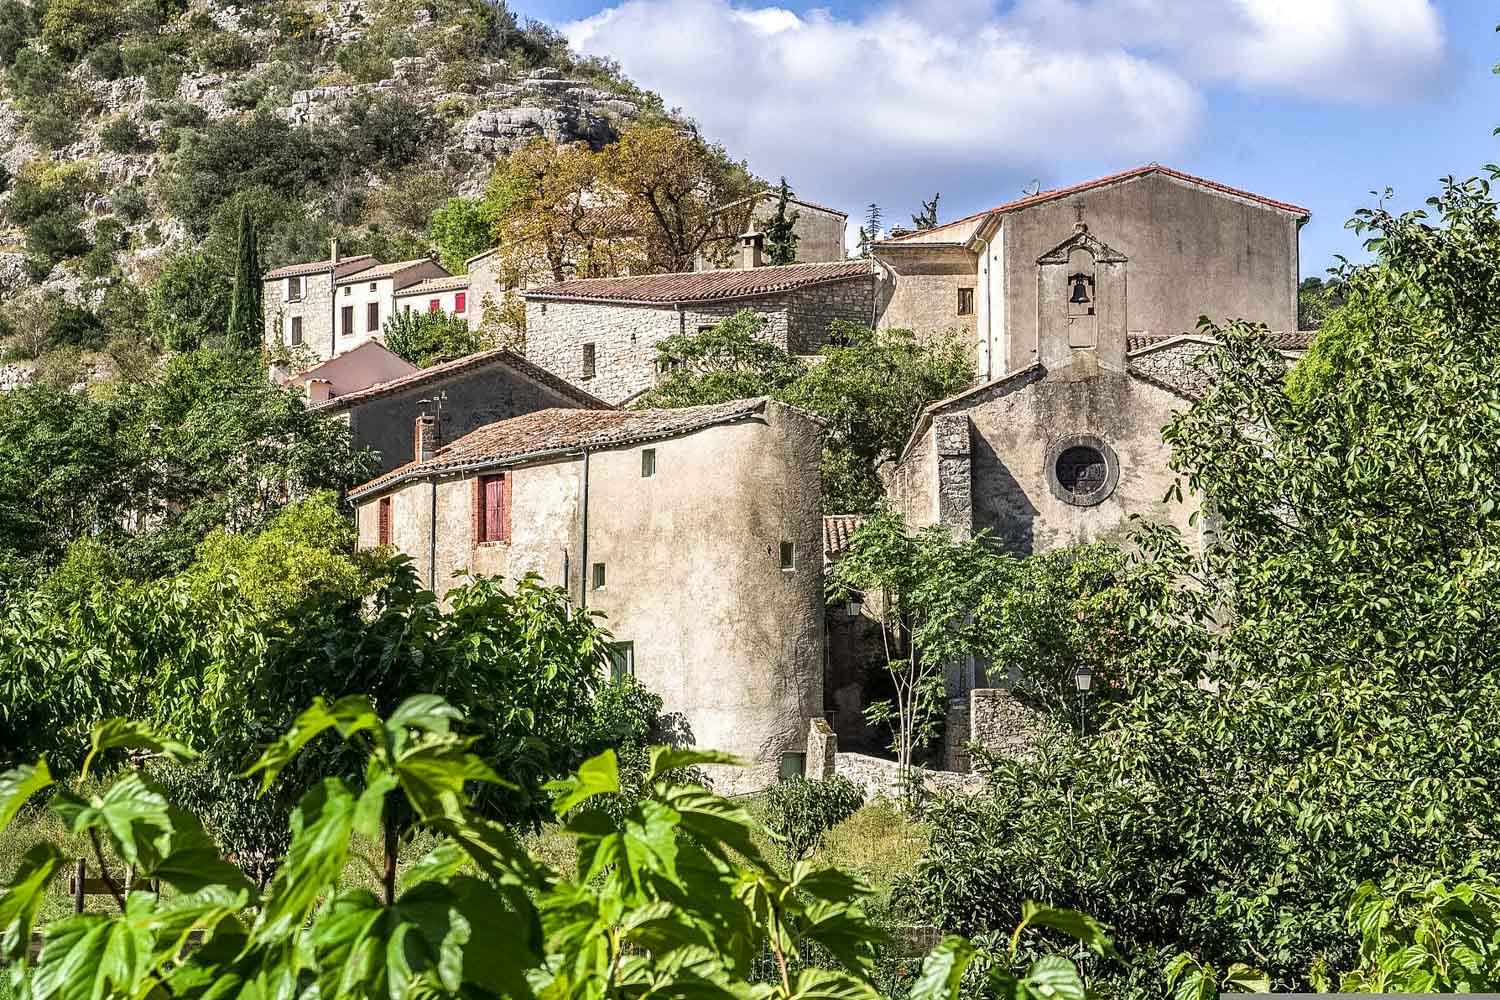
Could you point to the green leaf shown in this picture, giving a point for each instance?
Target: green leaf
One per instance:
(427, 712)
(23, 899)
(826, 984)
(350, 715)
(91, 956)
(18, 785)
(1242, 978)
(596, 776)
(943, 970)
(1079, 926)
(1054, 976)
(321, 827)
(117, 734)
(204, 910)
(132, 812)
(665, 759)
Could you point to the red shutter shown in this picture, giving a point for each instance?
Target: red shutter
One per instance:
(383, 525)
(460, 303)
(494, 508)
(505, 508)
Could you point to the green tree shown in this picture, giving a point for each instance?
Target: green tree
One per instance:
(246, 320)
(72, 27)
(870, 232)
(927, 218)
(730, 361)
(675, 899)
(189, 301)
(460, 231)
(1316, 299)
(430, 338)
(781, 230)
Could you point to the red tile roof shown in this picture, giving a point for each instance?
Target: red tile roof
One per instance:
(1124, 175)
(837, 530)
(499, 356)
(379, 271)
(346, 265)
(554, 432)
(702, 286)
(431, 285)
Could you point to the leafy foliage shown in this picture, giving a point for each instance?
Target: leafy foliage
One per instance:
(781, 230)
(801, 811)
(460, 231)
(430, 338)
(675, 899)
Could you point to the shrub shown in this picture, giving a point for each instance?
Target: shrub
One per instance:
(247, 93)
(55, 237)
(18, 25)
(129, 203)
(460, 231)
(106, 61)
(109, 238)
(388, 131)
(35, 74)
(122, 135)
(4, 178)
(365, 60)
(72, 27)
(44, 188)
(221, 50)
(801, 811)
(430, 338)
(189, 300)
(227, 157)
(76, 326)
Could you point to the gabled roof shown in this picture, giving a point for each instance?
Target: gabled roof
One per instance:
(346, 265)
(793, 200)
(837, 530)
(702, 286)
(1125, 175)
(501, 356)
(449, 283)
(1286, 340)
(555, 432)
(379, 271)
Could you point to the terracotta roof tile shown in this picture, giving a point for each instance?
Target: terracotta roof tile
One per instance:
(498, 356)
(450, 283)
(346, 265)
(556, 432)
(837, 530)
(702, 286)
(1124, 175)
(379, 271)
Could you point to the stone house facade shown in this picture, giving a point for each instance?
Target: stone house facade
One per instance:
(820, 230)
(331, 306)
(459, 397)
(696, 532)
(1189, 246)
(601, 333)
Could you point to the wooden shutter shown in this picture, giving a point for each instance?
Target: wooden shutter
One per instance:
(460, 303)
(372, 321)
(347, 325)
(383, 522)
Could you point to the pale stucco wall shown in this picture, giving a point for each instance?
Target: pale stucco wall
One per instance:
(730, 640)
(1191, 252)
(920, 293)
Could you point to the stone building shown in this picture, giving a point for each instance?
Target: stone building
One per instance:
(1189, 247)
(696, 532)
(335, 305)
(820, 230)
(460, 396)
(601, 333)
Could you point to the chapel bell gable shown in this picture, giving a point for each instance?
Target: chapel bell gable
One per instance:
(1081, 302)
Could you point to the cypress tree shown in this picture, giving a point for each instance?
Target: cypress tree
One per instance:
(245, 319)
(781, 238)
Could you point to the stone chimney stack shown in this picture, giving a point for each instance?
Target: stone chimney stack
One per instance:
(752, 249)
(426, 436)
(333, 250)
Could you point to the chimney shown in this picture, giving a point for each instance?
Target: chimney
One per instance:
(333, 250)
(752, 244)
(426, 436)
(319, 390)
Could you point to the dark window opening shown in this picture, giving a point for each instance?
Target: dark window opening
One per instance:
(383, 522)
(793, 765)
(295, 338)
(372, 317)
(598, 576)
(648, 463)
(590, 358)
(788, 555)
(1082, 470)
(621, 660)
(966, 301)
(346, 321)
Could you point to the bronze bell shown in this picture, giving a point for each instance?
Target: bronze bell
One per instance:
(1080, 294)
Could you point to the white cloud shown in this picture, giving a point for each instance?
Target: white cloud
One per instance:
(908, 97)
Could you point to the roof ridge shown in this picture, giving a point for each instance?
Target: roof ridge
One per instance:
(516, 361)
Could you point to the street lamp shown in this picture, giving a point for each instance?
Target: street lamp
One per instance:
(1083, 679)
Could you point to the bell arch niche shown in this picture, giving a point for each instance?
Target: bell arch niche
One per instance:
(1081, 300)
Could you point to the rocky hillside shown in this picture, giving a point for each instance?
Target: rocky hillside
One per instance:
(132, 133)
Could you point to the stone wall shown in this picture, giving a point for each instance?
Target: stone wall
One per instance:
(881, 778)
(315, 308)
(625, 336)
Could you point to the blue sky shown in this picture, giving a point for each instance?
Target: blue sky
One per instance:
(1315, 102)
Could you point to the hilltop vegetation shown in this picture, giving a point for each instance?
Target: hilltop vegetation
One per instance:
(133, 135)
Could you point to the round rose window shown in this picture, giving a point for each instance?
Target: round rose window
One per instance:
(1082, 471)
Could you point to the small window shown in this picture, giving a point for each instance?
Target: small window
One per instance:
(294, 289)
(648, 463)
(793, 765)
(406, 308)
(621, 660)
(372, 317)
(372, 286)
(966, 301)
(590, 358)
(348, 290)
(346, 321)
(598, 576)
(294, 334)
(492, 508)
(706, 329)
(788, 555)
(460, 304)
(383, 522)
(435, 305)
